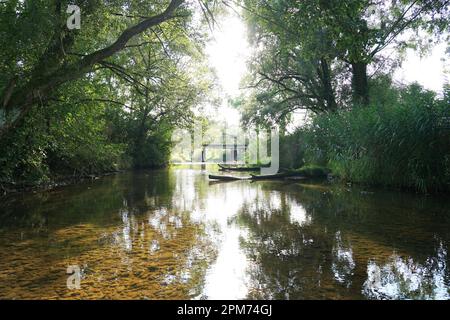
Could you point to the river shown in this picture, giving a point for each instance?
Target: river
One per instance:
(173, 234)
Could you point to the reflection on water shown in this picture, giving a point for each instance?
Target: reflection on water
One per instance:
(400, 278)
(175, 235)
(343, 263)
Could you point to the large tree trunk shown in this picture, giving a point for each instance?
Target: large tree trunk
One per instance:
(328, 92)
(360, 83)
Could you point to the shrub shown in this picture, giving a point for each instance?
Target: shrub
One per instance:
(50, 143)
(313, 171)
(291, 151)
(401, 143)
(155, 149)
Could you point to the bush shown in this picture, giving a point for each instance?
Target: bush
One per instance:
(50, 142)
(291, 151)
(313, 171)
(401, 143)
(155, 149)
(23, 153)
(80, 145)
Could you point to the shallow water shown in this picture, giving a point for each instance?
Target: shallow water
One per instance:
(172, 234)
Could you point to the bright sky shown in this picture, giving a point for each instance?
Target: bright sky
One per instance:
(429, 71)
(229, 50)
(228, 53)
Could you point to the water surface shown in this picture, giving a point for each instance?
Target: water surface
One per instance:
(172, 234)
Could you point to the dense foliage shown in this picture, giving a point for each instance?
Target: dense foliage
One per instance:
(327, 58)
(320, 55)
(108, 96)
(403, 143)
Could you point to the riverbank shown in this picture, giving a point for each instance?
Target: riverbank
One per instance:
(7, 188)
(314, 173)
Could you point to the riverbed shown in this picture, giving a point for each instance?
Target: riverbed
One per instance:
(173, 234)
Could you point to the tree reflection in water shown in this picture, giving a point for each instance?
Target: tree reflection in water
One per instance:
(333, 244)
(405, 279)
(343, 263)
(172, 234)
(124, 233)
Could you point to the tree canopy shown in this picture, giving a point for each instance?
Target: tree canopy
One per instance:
(316, 55)
(40, 54)
(105, 96)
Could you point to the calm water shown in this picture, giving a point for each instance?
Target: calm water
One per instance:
(175, 235)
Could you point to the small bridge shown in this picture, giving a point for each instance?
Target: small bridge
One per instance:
(224, 146)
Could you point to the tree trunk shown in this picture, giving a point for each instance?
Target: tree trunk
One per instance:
(360, 84)
(258, 160)
(328, 92)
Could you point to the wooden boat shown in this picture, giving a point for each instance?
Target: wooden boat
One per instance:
(252, 177)
(273, 176)
(285, 174)
(296, 178)
(226, 178)
(238, 169)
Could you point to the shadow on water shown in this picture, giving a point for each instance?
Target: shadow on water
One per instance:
(171, 234)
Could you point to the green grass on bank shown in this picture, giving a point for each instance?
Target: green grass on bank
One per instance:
(401, 142)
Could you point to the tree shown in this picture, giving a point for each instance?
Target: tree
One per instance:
(307, 46)
(361, 29)
(292, 68)
(121, 113)
(59, 55)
